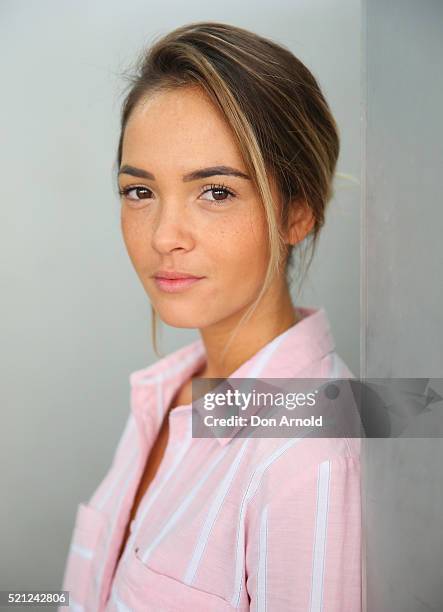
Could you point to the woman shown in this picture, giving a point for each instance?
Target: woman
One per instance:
(226, 160)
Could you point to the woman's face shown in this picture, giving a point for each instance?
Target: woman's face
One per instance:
(189, 207)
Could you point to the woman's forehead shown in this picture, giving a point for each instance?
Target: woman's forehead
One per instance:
(182, 127)
(183, 112)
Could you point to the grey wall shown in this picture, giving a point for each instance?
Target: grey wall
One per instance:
(403, 293)
(74, 319)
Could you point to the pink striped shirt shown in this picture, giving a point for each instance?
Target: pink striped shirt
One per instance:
(227, 524)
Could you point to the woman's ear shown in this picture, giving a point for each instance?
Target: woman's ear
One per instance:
(300, 222)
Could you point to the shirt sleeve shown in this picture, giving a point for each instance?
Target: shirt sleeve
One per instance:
(303, 545)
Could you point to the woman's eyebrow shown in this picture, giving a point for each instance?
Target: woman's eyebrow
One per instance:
(191, 176)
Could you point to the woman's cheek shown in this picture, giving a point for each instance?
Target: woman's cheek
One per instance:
(137, 244)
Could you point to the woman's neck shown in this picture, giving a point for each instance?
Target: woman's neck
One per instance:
(271, 318)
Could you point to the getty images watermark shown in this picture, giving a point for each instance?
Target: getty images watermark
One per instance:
(317, 407)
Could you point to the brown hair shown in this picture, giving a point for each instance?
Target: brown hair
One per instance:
(276, 110)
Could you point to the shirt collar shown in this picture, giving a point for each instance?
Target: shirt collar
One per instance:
(288, 354)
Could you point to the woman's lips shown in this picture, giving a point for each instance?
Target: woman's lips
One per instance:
(175, 285)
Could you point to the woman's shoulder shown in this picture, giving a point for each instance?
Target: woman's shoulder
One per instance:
(292, 471)
(287, 457)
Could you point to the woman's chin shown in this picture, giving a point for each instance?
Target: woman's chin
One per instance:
(181, 317)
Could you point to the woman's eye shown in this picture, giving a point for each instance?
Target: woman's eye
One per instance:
(217, 193)
(214, 193)
(141, 193)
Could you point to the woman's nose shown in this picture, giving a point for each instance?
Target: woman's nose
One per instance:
(171, 228)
